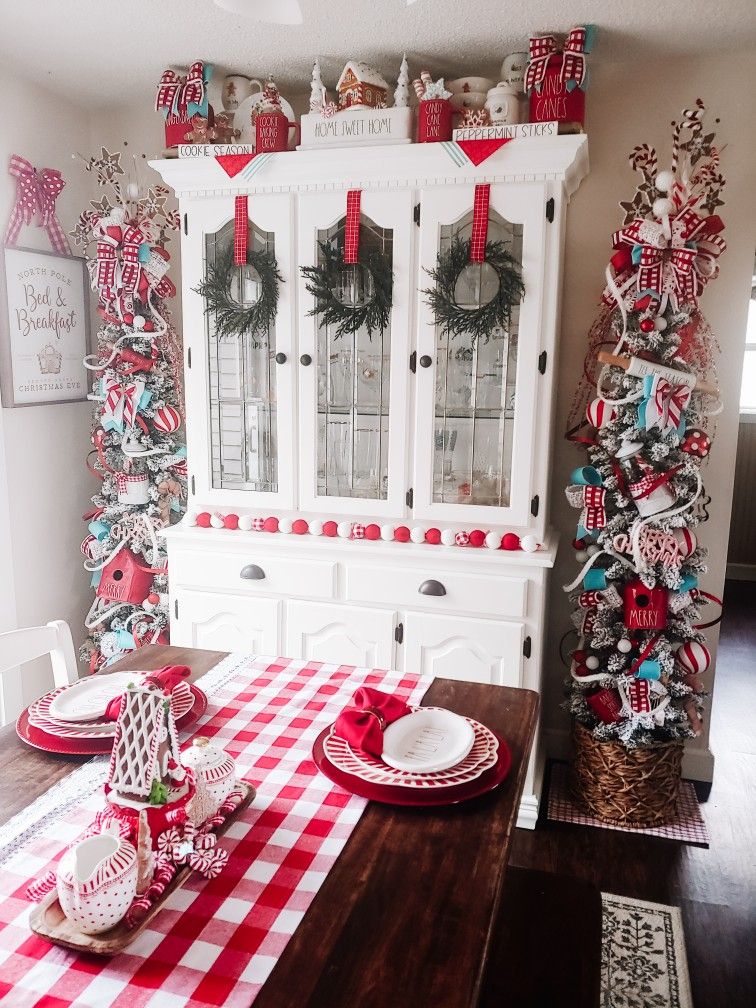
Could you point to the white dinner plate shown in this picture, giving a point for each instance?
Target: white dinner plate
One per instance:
(427, 740)
(88, 698)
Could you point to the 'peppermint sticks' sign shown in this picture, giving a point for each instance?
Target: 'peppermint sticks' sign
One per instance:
(48, 318)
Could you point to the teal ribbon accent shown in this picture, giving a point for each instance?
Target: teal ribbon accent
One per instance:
(649, 669)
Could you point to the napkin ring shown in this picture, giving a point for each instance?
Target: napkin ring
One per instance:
(376, 713)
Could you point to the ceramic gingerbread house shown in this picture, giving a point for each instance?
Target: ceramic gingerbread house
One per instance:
(361, 85)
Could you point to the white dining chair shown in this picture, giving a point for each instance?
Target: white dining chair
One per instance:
(20, 646)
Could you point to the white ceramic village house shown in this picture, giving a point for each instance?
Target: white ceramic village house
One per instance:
(404, 429)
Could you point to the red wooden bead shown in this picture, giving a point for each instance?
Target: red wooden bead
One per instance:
(433, 536)
(401, 533)
(477, 537)
(271, 524)
(329, 528)
(646, 325)
(510, 541)
(578, 544)
(300, 527)
(372, 531)
(579, 656)
(581, 670)
(231, 521)
(203, 519)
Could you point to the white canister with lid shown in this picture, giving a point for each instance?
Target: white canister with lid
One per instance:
(502, 105)
(212, 767)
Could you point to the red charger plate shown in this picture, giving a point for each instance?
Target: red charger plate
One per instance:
(43, 740)
(390, 795)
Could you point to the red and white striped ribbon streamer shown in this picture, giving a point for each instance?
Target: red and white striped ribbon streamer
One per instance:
(480, 223)
(241, 224)
(352, 229)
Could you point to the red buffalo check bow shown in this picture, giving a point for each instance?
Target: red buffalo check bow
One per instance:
(573, 69)
(594, 512)
(175, 93)
(216, 939)
(36, 194)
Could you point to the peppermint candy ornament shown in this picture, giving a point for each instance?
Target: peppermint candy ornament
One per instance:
(358, 530)
(462, 538)
(693, 657)
(258, 524)
(599, 413)
(696, 443)
(686, 541)
(167, 419)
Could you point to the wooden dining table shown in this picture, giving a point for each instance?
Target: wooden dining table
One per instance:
(408, 914)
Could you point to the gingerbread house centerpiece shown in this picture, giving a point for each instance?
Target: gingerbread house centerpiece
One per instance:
(361, 86)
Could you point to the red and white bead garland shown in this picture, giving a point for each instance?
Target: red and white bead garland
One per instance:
(357, 531)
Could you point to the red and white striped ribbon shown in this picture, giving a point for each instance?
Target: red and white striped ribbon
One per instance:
(241, 224)
(352, 229)
(480, 223)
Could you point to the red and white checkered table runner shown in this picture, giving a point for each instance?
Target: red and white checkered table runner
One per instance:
(214, 942)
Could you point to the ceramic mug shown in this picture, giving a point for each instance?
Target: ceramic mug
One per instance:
(272, 132)
(502, 105)
(97, 880)
(434, 120)
(513, 70)
(237, 87)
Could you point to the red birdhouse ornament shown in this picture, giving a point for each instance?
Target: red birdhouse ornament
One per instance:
(645, 608)
(124, 579)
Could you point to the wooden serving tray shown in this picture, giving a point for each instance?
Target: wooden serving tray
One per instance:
(49, 922)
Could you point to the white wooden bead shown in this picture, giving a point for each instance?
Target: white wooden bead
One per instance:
(529, 543)
(493, 540)
(581, 556)
(344, 529)
(316, 527)
(245, 523)
(624, 646)
(592, 662)
(593, 549)
(216, 520)
(417, 534)
(191, 517)
(447, 537)
(387, 533)
(284, 525)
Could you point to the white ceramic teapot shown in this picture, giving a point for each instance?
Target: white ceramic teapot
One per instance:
(97, 881)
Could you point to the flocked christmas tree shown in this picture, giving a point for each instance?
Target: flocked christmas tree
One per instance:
(402, 94)
(636, 673)
(136, 386)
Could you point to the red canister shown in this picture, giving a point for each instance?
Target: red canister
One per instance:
(434, 120)
(554, 103)
(272, 132)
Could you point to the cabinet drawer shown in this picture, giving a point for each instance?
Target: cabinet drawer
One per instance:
(249, 571)
(443, 591)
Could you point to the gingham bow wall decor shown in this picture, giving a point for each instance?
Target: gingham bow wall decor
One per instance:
(36, 195)
(183, 96)
(573, 72)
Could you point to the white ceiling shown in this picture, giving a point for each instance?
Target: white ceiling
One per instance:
(104, 52)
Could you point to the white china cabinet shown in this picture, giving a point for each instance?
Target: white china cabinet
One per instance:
(401, 429)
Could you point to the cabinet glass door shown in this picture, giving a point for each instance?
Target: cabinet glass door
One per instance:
(472, 457)
(247, 387)
(351, 399)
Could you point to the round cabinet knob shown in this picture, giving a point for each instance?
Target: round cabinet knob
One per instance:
(426, 361)
(305, 359)
(431, 588)
(280, 358)
(252, 572)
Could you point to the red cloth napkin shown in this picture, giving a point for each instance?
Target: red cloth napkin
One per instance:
(362, 723)
(166, 678)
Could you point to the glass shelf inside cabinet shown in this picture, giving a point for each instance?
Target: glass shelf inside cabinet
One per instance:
(476, 386)
(353, 389)
(242, 379)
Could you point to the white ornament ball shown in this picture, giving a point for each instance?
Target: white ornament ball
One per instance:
(447, 537)
(529, 544)
(417, 534)
(216, 520)
(693, 657)
(593, 549)
(315, 527)
(245, 523)
(686, 541)
(139, 322)
(663, 207)
(344, 529)
(132, 190)
(191, 517)
(592, 662)
(664, 181)
(581, 556)
(493, 540)
(284, 525)
(660, 323)
(387, 533)
(624, 646)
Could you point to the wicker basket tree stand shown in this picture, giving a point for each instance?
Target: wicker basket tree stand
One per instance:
(627, 787)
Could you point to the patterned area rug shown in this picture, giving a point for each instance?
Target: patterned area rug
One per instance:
(688, 827)
(643, 961)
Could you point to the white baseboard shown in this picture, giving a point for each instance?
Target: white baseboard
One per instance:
(697, 764)
(741, 572)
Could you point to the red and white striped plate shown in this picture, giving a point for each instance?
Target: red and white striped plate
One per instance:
(481, 757)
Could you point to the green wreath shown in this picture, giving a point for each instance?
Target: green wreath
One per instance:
(478, 322)
(231, 318)
(374, 313)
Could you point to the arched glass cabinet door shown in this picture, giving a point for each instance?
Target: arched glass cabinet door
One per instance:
(353, 383)
(247, 375)
(476, 393)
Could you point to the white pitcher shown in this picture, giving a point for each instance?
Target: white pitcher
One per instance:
(97, 880)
